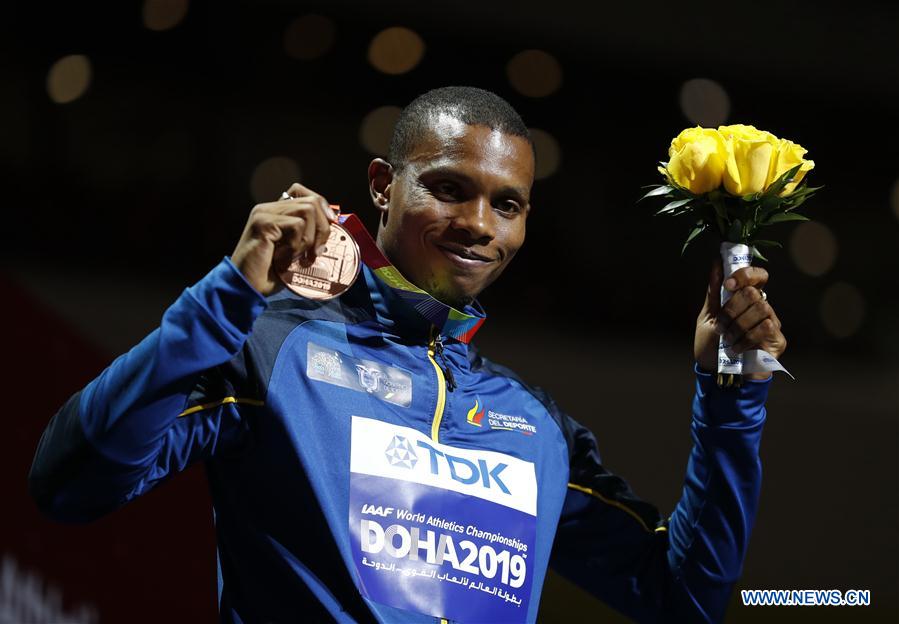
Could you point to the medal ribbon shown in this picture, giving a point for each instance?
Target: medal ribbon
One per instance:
(459, 325)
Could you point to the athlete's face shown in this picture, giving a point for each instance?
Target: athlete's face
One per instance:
(454, 216)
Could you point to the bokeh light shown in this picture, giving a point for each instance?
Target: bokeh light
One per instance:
(704, 102)
(69, 78)
(272, 177)
(549, 155)
(161, 15)
(842, 310)
(534, 73)
(309, 37)
(396, 50)
(377, 128)
(813, 248)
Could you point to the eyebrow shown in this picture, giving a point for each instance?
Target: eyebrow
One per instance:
(517, 192)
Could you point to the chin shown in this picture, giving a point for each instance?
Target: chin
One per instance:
(455, 297)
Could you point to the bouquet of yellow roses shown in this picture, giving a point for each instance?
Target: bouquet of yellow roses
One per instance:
(735, 181)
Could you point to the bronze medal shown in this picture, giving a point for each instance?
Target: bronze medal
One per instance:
(332, 273)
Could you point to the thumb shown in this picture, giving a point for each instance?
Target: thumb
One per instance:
(713, 295)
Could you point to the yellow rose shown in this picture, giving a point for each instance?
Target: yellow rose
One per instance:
(751, 158)
(789, 155)
(696, 159)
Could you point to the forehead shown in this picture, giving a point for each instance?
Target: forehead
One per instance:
(474, 149)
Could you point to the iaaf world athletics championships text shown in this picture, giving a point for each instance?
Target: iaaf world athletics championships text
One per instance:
(466, 529)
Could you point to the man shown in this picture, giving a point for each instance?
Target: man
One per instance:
(365, 461)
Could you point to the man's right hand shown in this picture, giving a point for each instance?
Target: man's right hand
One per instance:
(279, 231)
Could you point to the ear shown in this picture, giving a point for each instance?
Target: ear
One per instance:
(380, 178)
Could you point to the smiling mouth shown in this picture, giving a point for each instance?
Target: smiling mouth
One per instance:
(464, 257)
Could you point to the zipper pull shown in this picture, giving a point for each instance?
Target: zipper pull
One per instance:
(438, 348)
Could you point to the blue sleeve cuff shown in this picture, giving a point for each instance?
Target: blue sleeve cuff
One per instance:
(723, 406)
(229, 298)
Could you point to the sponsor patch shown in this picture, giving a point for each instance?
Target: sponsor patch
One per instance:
(440, 530)
(497, 420)
(387, 383)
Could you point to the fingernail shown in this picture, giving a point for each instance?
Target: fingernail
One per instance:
(731, 284)
(332, 214)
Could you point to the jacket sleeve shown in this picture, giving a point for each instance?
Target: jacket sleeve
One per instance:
(682, 569)
(169, 401)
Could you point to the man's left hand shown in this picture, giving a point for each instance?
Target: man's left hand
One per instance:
(747, 321)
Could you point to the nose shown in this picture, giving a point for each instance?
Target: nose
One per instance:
(475, 218)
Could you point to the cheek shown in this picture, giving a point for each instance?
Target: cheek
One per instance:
(513, 238)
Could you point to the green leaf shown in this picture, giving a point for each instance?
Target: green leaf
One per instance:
(780, 217)
(735, 232)
(699, 229)
(661, 190)
(670, 206)
(758, 254)
(754, 197)
(767, 243)
(780, 183)
(795, 203)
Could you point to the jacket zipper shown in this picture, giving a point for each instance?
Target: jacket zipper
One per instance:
(435, 350)
(441, 384)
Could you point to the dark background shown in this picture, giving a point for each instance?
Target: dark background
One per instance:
(117, 200)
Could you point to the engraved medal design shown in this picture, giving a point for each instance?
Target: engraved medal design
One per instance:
(332, 273)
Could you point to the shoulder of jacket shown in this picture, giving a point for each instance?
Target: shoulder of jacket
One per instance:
(566, 425)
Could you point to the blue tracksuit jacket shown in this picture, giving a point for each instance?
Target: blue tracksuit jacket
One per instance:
(365, 467)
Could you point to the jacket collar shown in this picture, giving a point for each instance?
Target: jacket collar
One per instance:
(398, 302)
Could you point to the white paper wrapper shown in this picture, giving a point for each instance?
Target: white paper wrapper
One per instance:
(736, 256)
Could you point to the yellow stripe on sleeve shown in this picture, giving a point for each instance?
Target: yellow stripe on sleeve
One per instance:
(229, 399)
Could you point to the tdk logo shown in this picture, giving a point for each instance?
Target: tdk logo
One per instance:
(742, 258)
(466, 471)
(400, 453)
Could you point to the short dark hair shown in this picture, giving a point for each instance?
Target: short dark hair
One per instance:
(470, 105)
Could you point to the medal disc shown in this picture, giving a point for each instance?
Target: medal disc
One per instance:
(334, 270)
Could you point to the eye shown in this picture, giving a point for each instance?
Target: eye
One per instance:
(445, 190)
(509, 206)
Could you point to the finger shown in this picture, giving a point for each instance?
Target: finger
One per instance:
(307, 240)
(291, 244)
(758, 337)
(298, 190)
(747, 276)
(737, 305)
(294, 205)
(751, 316)
(322, 225)
(285, 232)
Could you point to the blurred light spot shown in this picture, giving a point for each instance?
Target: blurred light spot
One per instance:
(164, 14)
(894, 199)
(704, 102)
(309, 37)
(842, 310)
(396, 50)
(377, 128)
(813, 248)
(69, 78)
(548, 153)
(272, 177)
(534, 73)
